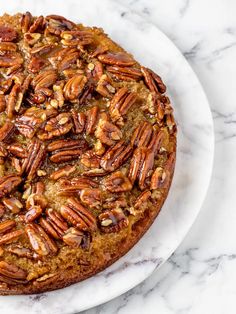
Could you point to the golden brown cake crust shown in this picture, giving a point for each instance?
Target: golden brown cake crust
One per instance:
(87, 152)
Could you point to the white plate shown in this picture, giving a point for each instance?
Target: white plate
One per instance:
(194, 158)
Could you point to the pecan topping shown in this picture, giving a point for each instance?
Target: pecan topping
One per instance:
(73, 237)
(113, 220)
(77, 215)
(11, 59)
(44, 79)
(6, 130)
(13, 204)
(66, 150)
(121, 103)
(76, 38)
(39, 240)
(7, 33)
(153, 81)
(11, 236)
(56, 24)
(119, 58)
(116, 156)
(92, 117)
(6, 226)
(26, 22)
(70, 187)
(142, 199)
(33, 213)
(8, 184)
(37, 24)
(117, 182)
(36, 153)
(60, 125)
(54, 224)
(74, 87)
(124, 73)
(17, 150)
(107, 132)
(62, 172)
(91, 197)
(90, 160)
(79, 120)
(12, 274)
(105, 87)
(21, 251)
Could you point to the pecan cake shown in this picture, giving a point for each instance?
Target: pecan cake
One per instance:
(87, 152)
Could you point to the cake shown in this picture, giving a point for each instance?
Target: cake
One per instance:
(87, 152)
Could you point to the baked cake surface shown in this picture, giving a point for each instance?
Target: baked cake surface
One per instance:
(87, 152)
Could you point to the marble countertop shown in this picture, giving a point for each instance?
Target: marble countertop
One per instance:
(199, 277)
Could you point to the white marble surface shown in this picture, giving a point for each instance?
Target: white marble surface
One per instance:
(199, 278)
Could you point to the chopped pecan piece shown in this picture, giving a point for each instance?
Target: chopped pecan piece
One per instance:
(119, 58)
(39, 240)
(107, 132)
(124, 73)
(6, 131)
(113, 220)
(116, 156)
(36, 64)
(62, 172)
(74, 87)
(66, 150)
(11, 236)
(54, 224)
(73, 237)
(142, 199)
(90, 160)
(60, 125)
(20, 251)
(70, 187)
(76, 38)
(153, 81)
(115, 201)
(8, 183)
(12, 274)
(105, 87)
(76, 214)
(122, 101)
(91, 197)
(7, 33)
(36, 153)
(117, 182)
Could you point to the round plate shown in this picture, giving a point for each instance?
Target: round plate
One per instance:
(194, 157)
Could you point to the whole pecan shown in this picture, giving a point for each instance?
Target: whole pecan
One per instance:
(122, 101)
(7, 33)
(75, 185)
(116, 156)
(124, 73)
(113, 220)
(117, 182)
(74, 87)
(8, 183)
(6, 130)
(60, 125)
(107, 132)
(79, 216)
(118, 58)
(39, 240)
(12, 274)
(54, 224)
(36, 153)
(66, 150)
(91, 197)
(153, 81)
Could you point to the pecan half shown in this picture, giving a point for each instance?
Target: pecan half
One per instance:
(6, 226)
(6, 130)
(33, 213)
(91, 197)
(122, 101)
(36, 153)
(7, 33)
(20, 251)
(117, 182)
(74, 87)
(13, 204)
(153, 81)
(70, 187)
(60, 125)
(11, 236)
(76, 38)
(107, 132)
(142, 199)
(11, 59)
(77, 215)
(66, 150)
(118, 58)
(39, 240)
(105, 87)
(44, 79)
(37, 25)
(54, 224)
(12, 274)
(62, 172)
(26, 21)
(8, 183)
(91, 121)
(124, 73)
(17, 150)
(79, 120)
(56, 24)
(142, 135)
(113, 220)
(116, 156)
(2, 103)
(14, 100)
